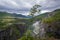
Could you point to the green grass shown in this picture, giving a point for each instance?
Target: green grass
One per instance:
(54, 18)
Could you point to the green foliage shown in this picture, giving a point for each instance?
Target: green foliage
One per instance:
(4, 23)
(54, 18)
(40, 17)
(27, 36)
(3, 14)
(7, 20)
(16, 31)
(53, 22)
(34, 9)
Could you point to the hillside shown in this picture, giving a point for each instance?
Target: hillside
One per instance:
(3, 14)
(15, 22)
(50, 21)
(19, 26)
(55, 17)
(53, 22)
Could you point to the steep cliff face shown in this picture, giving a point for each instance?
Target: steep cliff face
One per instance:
(22, 28)
(7, 34)
(13, 32)
(54, 29)
(53, 22)
(14, 21)
(48, 24)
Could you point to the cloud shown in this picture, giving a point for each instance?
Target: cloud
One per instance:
(50, 4)
(25, 5)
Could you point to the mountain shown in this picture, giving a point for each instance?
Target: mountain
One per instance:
(46, 15)
(3, 14)
(19, 15)
(53, 24)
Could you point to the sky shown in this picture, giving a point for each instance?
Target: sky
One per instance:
(24, 6)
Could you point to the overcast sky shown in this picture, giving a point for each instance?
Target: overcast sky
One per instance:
(23, 6)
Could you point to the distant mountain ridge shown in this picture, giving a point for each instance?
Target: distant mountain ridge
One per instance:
(3, 14)
(46, 15)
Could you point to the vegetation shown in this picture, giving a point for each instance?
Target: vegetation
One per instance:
(54, 18)
(35, 10)
(8, 20)
(53, 23)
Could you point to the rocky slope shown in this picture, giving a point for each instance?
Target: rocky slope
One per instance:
(49, 24)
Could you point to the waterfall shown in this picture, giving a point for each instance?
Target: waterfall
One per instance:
(36, 27)
(39, 29)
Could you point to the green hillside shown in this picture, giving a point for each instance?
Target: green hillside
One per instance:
(55, 17)
(13, 22)
(20, 25)
(8, 19)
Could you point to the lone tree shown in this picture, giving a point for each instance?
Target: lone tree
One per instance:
(35, 9)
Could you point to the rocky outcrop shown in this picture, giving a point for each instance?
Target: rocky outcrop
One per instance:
(54, 29)
(7, 34)
(13, 32)
(51, 26)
